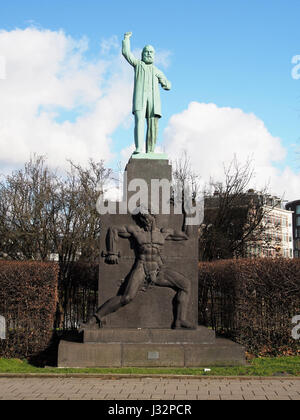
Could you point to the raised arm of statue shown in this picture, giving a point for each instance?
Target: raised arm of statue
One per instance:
(126, 51)
(174, 235)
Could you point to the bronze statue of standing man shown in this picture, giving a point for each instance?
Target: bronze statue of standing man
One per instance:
(146, 97)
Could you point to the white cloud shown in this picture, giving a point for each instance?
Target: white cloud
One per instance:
(126, 154)
(108, 45)
(49, 80)
(162, 57)
(48, 75)
(212, 136)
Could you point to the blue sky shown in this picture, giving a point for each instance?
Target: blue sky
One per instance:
(235, 54)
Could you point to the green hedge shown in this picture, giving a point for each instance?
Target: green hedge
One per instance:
(252, 301)
(28, 299)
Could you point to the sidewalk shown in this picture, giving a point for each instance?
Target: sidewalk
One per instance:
(93, 388)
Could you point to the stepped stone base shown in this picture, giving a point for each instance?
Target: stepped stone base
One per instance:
(150, 348)
(140, 334)
(201, 335)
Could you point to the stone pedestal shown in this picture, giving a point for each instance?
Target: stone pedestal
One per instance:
(140, 333)
(150, 348)
(200, 335)
(153, 307)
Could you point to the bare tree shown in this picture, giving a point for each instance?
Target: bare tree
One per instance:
(185, 175)
(186, 182)
(235, 216)
(44, 216)
(78, 228)
(29, 204)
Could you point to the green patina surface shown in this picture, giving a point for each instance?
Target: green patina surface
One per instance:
(146, 95)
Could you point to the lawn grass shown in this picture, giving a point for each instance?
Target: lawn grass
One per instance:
(280, 366)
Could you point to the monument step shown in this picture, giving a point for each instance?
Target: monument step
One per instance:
(83, 355)
(201, 335)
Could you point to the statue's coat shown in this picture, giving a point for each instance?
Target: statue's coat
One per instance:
(143, 75)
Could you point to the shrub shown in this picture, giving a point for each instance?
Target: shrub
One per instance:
(252, 301)
(28, 299)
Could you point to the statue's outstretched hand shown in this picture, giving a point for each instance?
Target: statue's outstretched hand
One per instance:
(128, 35)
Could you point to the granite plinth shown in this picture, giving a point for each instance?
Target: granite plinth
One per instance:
(80, 355)
(201, 335)
(142, 298)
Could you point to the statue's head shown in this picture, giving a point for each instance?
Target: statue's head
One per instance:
(145, 219)
(148, 54)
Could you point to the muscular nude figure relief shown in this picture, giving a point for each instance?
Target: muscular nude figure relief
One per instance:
(149, 267)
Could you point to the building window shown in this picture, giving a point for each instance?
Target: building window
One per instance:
(298, 221)
(298, 209)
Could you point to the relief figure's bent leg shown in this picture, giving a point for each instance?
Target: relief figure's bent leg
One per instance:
(135, 281)
(178, 282)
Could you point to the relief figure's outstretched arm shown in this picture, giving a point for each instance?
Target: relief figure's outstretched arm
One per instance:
(178, 235)
(175, 235)
(112, 239)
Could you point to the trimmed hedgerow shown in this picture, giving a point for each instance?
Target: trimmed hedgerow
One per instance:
(252, 301)
(28, 299)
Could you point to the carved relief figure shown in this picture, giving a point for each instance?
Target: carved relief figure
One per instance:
(149, 267)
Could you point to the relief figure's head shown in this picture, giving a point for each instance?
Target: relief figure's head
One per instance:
(148, 221)
(145, 219)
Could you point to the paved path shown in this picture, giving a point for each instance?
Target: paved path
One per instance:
(148, 389)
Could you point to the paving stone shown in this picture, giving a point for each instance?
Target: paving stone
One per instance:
(148, 388)
(181, 397)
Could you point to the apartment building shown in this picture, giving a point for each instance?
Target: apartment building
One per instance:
(294, 206)
(274, 236)
(277, 235)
